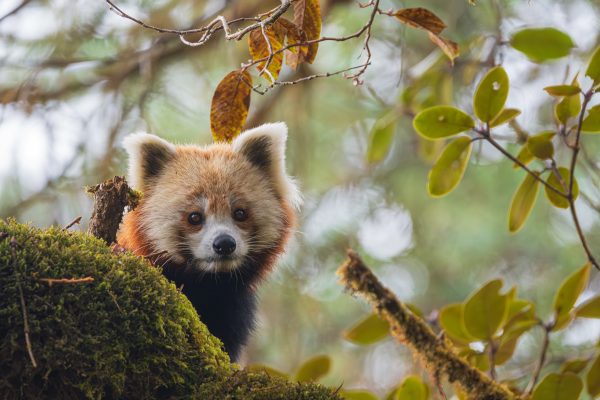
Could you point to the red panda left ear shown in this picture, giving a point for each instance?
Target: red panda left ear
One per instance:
(148, 155)
(264, 146)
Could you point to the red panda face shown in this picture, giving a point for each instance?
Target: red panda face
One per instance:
(213, 207)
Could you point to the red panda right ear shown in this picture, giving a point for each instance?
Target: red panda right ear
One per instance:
(148, 154)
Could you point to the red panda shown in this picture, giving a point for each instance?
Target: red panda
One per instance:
(216, 218)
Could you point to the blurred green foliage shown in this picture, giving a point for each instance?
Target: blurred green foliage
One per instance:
(78, 78)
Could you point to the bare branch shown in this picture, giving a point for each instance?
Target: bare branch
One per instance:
(15, 10)
(67, 281)
(570, 196)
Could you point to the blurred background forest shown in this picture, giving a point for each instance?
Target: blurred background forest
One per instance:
(75, 78)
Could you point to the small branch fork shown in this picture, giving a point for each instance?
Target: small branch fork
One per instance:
(259, 22)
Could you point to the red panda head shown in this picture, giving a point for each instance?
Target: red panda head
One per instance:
(216, 207)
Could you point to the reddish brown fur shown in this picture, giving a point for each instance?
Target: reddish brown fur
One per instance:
(131, 234)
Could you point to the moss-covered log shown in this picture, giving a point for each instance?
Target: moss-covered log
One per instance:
(104, 325)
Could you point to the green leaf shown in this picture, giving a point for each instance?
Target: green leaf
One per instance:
(593, 69)
(313, 369)
(593, 378)
(556, 199)
(569, 291)
(358, 395)
(524, 156)
(541, 145)
(568, 107)
(541, 44)
(370, 330)
(518, 307)
(591, 123)
(506, 349)
(574, 366)
(382, 135)
(522, 203)
(589, 309)
(506, 115)
(441, 122)
(452, 320)
(450, 167)
(554, 386)
(412, 388)
(562, 90)
(491, 94)
(485, 310)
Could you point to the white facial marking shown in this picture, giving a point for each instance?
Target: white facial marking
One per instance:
(201, 244)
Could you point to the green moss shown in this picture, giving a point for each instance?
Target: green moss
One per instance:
(127, 334)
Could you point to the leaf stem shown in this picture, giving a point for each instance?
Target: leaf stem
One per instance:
(538, 369)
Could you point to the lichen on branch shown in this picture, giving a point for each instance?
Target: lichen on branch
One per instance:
(436, 352)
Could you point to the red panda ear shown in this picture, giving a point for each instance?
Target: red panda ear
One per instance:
(264, 146)
(148, 154)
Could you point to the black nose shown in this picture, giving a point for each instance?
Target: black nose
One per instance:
(224, 245)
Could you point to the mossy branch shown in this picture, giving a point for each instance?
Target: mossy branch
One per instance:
(436, 352)
(110, 199)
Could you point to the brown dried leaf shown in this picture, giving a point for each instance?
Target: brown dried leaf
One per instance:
(448, 46)
(293, 35)
(307, 16)
(229, 106)
(421, 18)
(259, 48)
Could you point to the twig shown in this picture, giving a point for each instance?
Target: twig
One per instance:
(540, 364)
(117, 10)
(486, 135)
(76, 221)
(68, 281)
(258, 89)
(437, 354)
(355, 77)
(13, 248)
(15, 10)
(220, 22)
(570, 197)
(493, 350)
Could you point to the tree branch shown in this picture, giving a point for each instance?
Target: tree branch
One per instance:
(435, 352)
(586, 99)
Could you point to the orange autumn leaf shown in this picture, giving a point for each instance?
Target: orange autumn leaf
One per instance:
(449, 47)
(259, 48)
(229, 106)
(307, 16)
(421, 18)
(293, 35)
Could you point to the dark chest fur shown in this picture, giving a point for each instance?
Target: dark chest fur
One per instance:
(224, 302)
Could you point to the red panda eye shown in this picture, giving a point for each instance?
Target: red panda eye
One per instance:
(240, 215)
(195, 218)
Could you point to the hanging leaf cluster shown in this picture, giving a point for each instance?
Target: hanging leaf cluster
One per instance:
(267, 46)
